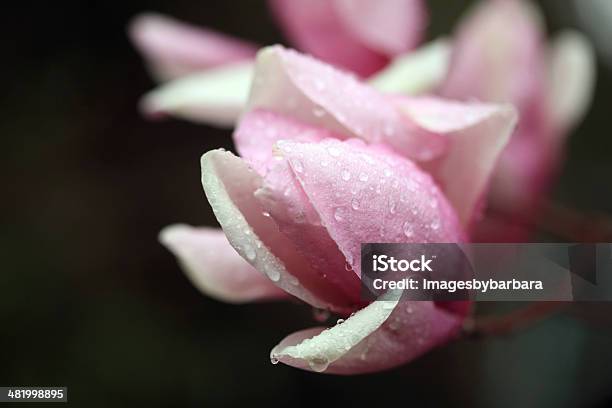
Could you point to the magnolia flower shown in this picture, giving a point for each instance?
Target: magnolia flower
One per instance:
(209, 73)
(328, 163)
(499, 54)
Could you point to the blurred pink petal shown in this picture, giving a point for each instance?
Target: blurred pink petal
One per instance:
(216, 96)
(390, 27)
(315, 27)
(174, 48)
(317, 94)
(477, 135)
(497, 55)
(571, 80)
(215, 268)
(385, 334)
(230, 184)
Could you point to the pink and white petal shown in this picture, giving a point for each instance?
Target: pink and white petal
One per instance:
(477, 135)
(497, 54)
(297, 219)
(216, 96)
(383, 335)
(315, 27)
(366, 194)
(420, 71)
(229, 184)
(572, 72)
(260, 129)
(174, 48)
(315, 93)
(390, 27)
(215, 268)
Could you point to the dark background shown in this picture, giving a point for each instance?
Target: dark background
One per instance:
(90, 300)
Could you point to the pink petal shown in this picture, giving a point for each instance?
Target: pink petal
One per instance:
(216, 96)
(315, 27)
(174, 48)
(290, 207)
(497, 55)
(314, 93)
(366, 194)
(259, 130)
(385, 334)
(477, 135)
(229, 185)
(215, 268)
(390, 27)
(571, 80)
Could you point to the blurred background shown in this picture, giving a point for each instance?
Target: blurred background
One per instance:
(90, 300)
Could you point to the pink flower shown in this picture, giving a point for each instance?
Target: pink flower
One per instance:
(500, 55)
(328, 163)
(209, 73)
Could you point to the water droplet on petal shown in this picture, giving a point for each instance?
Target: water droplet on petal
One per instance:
(340, 321)
(273, 359)
(297, 165)
(340, 214)
(407, 228)
(318, 112)
(333, 151)
(293, 280)
(355, 204)
(435, 224)
(272, 273)
(249, 252)
(392, 206)
(346, 175)
(265, 214)
(363, 177)
(318, 364)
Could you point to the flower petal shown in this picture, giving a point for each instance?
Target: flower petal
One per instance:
(368, 194)
(174, 48)
(571, 76)
(229, 185)
(316, 27)
(385, 334)
(497, 55)
(391, 27)
(315, 93)
(259, 130)
(216, 96)
(478, 134)
(214, 267)
(417, 72)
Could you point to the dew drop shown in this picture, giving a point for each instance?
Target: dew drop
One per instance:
(272, 273)
(407, 228)
(348, 266)
(340, 214)
(318, 112)
(265, 214)
(293, 280)
(333, 151)
(340, 321)
(346, 175)
(273, 360)
(435, 224)
(363, 177)
(249, 252)
(392, 206)
(319, 364)
(297, 165)
(355, 204)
